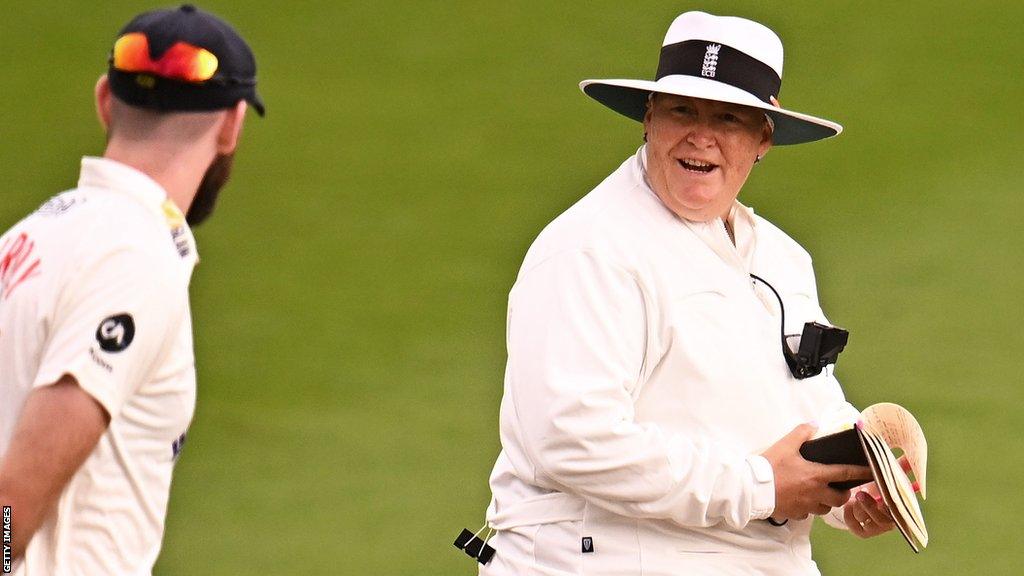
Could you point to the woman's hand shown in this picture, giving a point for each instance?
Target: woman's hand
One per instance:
(865, 516)
(802, 487)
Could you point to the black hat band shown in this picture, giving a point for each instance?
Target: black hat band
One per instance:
(722, 63)
(148, 91)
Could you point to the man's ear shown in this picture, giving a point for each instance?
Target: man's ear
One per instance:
(103, 98)
(231, 128)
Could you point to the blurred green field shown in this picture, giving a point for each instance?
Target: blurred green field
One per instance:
(350, 304)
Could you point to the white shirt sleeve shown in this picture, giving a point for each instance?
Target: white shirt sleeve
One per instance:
(836, 412)
(576, 344)
(111, 323)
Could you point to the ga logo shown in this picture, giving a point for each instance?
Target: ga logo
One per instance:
(116, 333)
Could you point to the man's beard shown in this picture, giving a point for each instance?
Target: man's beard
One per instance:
(206, 194)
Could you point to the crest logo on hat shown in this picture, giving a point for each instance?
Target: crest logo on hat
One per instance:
(710, 61)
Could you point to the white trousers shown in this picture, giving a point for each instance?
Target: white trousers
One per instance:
(556, 550)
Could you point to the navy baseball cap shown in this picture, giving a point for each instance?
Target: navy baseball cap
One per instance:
(182, 59)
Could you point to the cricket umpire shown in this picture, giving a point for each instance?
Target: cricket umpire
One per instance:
(97, 373)
(650, 422)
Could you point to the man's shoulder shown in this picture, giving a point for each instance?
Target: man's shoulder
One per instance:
(84, 227)
(79, 208)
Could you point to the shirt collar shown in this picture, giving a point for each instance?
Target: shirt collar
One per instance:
(114, 176)
(641, 157)
(744, 230)
(740, 218)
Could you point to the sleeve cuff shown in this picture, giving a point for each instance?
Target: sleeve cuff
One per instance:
(835, 518)
(89, 377)
(762, 501)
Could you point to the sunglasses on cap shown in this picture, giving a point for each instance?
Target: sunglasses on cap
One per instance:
(182, 62)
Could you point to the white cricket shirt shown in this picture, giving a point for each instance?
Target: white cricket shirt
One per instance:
(645, 376)
(95, 284)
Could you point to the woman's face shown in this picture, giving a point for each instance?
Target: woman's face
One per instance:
(700, 152)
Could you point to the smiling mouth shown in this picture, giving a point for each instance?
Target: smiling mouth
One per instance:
(697, 166)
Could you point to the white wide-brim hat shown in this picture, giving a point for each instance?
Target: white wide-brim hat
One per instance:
(721, 58)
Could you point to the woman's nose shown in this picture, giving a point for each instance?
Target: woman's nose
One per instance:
(701, 135)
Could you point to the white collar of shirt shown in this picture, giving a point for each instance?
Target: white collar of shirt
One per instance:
(114, 176)
(740, 253)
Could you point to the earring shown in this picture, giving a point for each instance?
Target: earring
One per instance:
(757, 159)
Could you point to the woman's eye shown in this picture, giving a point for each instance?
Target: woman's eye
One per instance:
(731, 118)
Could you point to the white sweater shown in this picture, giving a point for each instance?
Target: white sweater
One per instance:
(645, 374)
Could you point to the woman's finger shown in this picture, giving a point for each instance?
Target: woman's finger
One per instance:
(873, 528)
(878, 512)
(859, 511)
(851, 521)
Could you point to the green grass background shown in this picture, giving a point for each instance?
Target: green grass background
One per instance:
(350, 304)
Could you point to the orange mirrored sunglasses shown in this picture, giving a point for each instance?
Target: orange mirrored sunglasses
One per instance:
(182, 61)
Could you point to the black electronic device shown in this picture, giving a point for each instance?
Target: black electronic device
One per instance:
(820, 346)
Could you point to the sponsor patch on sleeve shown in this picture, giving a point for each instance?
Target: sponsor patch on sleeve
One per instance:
(115, 333)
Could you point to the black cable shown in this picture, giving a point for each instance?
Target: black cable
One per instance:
(820, 344)
(782, 308)
(782, 333)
